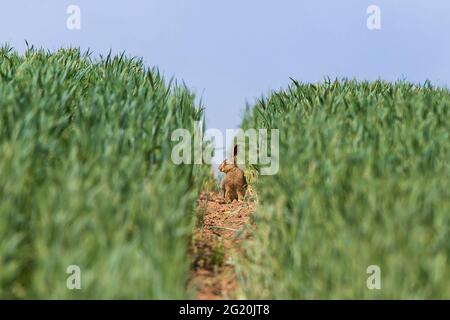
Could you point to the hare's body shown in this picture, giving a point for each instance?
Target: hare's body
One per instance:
(234, 184)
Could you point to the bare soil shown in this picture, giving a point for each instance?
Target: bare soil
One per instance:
(216, 244)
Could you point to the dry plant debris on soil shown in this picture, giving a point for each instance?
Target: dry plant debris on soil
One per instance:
(216, 243)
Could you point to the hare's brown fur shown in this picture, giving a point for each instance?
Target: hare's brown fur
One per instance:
(234, 185)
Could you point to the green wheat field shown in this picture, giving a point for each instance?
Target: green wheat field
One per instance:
(86, 178)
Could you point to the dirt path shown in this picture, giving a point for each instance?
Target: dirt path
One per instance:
(215, 245)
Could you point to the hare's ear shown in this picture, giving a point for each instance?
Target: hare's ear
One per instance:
(235, 151)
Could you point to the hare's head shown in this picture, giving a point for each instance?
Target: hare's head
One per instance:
(229, 164)
(226, 166)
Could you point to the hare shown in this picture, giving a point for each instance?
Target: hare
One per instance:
(234, 185)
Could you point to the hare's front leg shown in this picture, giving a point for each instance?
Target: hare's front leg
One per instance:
(223, 188)
(228, 196)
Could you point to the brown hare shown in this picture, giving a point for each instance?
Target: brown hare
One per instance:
(234, 185)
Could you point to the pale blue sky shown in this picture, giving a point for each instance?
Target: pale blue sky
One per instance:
(233, 51)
